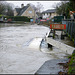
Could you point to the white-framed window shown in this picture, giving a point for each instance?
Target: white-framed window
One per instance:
(30, 12)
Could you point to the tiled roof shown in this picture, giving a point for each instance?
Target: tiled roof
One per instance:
(49, 11)
(21, 10)
(18, 9)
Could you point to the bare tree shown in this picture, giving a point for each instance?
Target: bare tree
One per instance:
(34, 7)
(2, 7)
(6, 8)
(9, 10)
(39, 7)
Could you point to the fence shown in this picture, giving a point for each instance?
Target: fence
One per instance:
(70, 28)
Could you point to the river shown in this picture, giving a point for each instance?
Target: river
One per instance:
(20, 50)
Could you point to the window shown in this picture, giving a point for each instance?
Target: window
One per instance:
(30, 12)
(50, 14)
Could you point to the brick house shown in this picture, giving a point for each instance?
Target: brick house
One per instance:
(25, 11)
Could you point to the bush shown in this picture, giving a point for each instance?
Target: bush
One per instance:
(71, 68)
(18, 18)
(58, 18)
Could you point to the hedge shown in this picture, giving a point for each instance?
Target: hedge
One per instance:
(18, 18)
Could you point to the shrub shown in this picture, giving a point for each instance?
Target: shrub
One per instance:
(18, 18)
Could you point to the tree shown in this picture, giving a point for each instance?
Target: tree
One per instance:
(65, 7)
(61, 8)
(39, 7)
(2, 7)
(9, 10)
(72, 5)
(6, 8)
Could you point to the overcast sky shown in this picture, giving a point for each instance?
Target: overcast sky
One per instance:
(46, 4)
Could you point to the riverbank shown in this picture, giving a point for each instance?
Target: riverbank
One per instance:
(69, 67)
(59, 66)
(52, 67)
(71, 64)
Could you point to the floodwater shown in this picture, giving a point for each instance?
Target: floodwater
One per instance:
(20, 50)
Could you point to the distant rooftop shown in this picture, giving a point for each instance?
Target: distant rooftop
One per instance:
(49, 11)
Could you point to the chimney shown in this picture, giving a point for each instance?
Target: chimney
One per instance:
(22, 5)
(28, 4)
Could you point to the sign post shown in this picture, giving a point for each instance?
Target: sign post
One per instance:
(53, 33)
(57, 27)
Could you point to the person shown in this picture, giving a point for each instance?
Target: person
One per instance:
(71, 15)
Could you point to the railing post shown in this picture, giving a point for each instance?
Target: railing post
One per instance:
(71, 30)
(53, 33)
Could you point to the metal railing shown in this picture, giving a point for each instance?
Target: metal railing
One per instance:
(70, 28)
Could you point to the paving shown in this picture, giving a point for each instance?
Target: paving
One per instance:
(51, 66)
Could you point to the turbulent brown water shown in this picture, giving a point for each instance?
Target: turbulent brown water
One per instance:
(20, 48)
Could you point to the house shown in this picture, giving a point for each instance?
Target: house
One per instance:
(49, 13)
(25, 11)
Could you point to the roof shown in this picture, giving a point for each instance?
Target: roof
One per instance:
(18, 9)
(21, 10)
(49, 11)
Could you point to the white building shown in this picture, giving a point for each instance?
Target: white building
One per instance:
(49, 13)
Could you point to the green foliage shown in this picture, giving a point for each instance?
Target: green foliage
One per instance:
(18, 18)
(1, 16)
(71, 69)
(65, 7)
(72, 4)
(6, 8)
(58, 18)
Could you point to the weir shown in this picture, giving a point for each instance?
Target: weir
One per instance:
(65, 48)
(35, 43)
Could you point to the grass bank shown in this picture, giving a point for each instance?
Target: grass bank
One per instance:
(71, 64)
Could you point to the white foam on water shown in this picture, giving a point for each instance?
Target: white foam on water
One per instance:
(35, 44)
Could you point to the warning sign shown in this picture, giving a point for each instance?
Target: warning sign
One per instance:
(57, 26)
